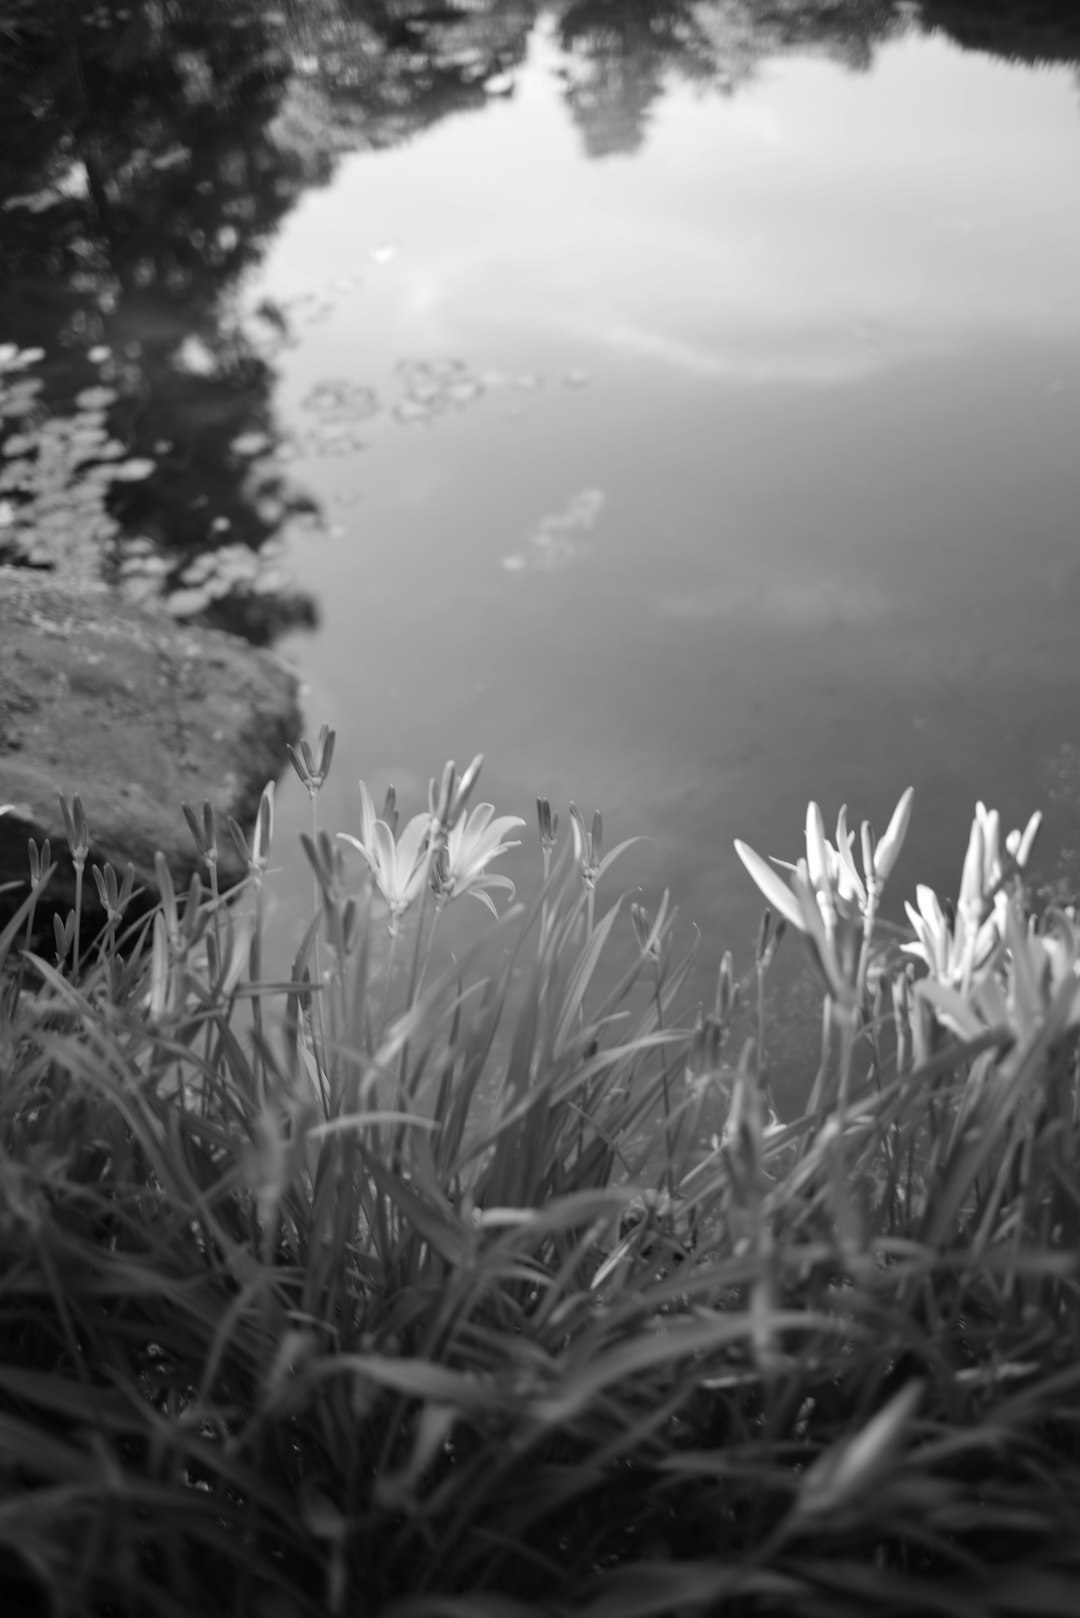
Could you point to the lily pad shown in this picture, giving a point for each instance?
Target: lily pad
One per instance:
(133, 471)
(16, 404)
(410, 411)
(96, 398)
(338, 397)
(187, 603)
(249, 444)
(464, 392)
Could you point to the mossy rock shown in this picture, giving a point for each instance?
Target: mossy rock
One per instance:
(136, 713)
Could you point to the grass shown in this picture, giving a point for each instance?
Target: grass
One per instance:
(425, 1292)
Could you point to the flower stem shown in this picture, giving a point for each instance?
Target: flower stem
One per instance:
(439, 907)
(869, 917)
(669, 1144)
(78, 919)
(319, 1047)
(391, 952)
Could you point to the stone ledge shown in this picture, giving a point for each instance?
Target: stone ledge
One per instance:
(137, 714)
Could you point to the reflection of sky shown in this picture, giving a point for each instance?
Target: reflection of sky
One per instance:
(829, 443)
(814, 226)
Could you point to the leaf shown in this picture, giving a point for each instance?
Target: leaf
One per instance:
(855, 1464)
(664, 1349)
(418, 1379)
(435, 1225)
(581, 977)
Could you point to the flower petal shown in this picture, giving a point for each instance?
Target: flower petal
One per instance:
(411, 848)
(384, 859)
(367, 816)
(817, 850)
(775, 889)
(477, 820)
(844, 840)
(950, 1007)
(971, 882)
(1027, 840)
(820, 942)
(347, 837)
(887, 851)
(930, 909)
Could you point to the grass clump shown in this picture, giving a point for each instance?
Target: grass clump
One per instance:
(421, 1290)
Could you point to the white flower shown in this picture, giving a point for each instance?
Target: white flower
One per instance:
(470, 847)
(399, 868)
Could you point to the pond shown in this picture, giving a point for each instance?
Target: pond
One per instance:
(676, 400)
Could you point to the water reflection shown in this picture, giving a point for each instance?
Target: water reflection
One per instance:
(148, 154)
(561, 539)
(623, 54)
(140, 177)
(1035, 31)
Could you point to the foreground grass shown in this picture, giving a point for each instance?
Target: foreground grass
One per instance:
(396, 1292)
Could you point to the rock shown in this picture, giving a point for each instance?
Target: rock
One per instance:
(138, 714)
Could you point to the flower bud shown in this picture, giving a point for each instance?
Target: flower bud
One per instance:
(548, 823)
(64, 934)
(40, 860)
(78, 832)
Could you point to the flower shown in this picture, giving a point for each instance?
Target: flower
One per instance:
(826, 898)
(830, 872)
(548, 823)
(399, 867)
(984, 870)
(588, 846)
(651, 934)
(447, 799)
(954, 949)
(1029, 975)
(312, 765)
(471, 845)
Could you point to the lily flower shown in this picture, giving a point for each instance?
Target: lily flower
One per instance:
(833, 873)
(471, 845)
(955, 950)
(548, 823)
(588, 846)
(1044, 960)
(826, 898)
(312, 765)
(399, 867)
(1032, 974)
(984, 869)
(951, 949)
(447, 798)
(651, 935)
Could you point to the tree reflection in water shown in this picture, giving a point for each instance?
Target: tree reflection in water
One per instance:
(149, 151)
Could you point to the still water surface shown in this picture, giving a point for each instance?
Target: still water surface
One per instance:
(735, 466)
(806, 369)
